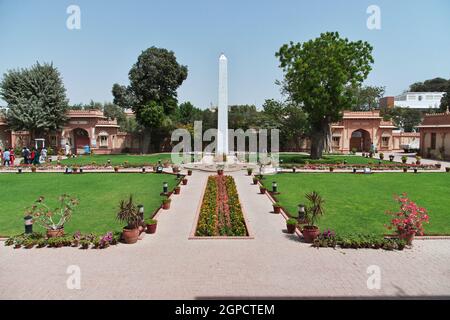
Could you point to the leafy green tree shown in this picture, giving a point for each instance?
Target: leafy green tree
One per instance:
(188, 113)
(152, 94)
(242, 117)
(289, 118)
(317, 76)
(367, 98)
(405, 118)
(431, 85)
(36, 99)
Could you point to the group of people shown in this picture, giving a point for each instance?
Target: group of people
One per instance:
(33, 156)
(7, 157)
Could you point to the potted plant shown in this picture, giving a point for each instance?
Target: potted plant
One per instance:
(53, 220)
(184, 181)
(405, 169)
(255, 180)
(249, 171)
(177, 190)
(418, 158)
(33, 168)
(174, 168)
(381, 156)
(116, 169)
(331, 169)
(189, 172)
(408, 220)
(262, 189)
(129, 214)
(166, 203)
(294, 169)
(84, 244)
(291, 224)
(220, 170)
(151, 225)
(438, 165)
(391, 158)
(404, 159)
(313, 213)
(447, 169)
(276, 207)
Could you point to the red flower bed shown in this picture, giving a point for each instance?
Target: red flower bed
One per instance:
(221, 212)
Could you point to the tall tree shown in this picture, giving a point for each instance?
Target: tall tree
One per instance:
(367, 98)
(36, 98)
(405, 118)
(152, 93)
(289, 118)
(188, 113)
(318, 76)
(431, 85)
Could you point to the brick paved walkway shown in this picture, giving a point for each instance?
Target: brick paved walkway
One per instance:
(274, 264)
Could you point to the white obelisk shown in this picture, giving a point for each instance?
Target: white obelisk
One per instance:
(222, 121)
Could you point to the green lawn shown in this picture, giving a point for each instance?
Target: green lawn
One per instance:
(357, 203)
(119, 159)
(99, 196)
(327, 159)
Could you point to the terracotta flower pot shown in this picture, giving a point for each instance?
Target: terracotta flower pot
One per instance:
(55, 233)
(255, 181)
(151, 228)
(184, 182)
(408, 237)
(220, 172)
(189, 172)
(310, 233)
(130, 235)
(331, 169)
(177, 190)
(447, 169)
(290, 228)
(405, 169)
(166, 205)
(276, 209)
(262, 190)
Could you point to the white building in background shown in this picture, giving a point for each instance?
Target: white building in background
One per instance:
(419, 100)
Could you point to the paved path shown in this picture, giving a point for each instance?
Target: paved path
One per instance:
(274, 264)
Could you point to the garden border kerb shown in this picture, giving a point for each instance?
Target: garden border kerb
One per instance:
(192, 235)
(283, 212)
(286, 214)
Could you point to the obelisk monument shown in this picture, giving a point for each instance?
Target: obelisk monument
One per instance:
(222, 121)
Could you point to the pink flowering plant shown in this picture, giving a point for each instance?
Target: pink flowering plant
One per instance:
(409, 219)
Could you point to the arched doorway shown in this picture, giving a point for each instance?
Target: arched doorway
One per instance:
(360, 140)
(81, 139)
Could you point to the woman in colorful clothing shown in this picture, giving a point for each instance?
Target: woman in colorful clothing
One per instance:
(12, 157)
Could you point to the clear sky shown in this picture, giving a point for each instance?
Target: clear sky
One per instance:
(412, 45)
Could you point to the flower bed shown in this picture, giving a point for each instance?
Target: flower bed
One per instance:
(221, 213)
(78, 240)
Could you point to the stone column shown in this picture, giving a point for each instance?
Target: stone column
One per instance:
(222, 110)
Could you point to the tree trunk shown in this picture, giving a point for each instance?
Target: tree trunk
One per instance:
(320, 140)
(147, 141)
(328, 143)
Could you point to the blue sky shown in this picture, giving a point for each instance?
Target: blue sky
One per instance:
(412, 45)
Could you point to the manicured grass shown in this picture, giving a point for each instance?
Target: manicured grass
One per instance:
(119, 159)
(357, 203)
(328, 159)
(98, 194)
